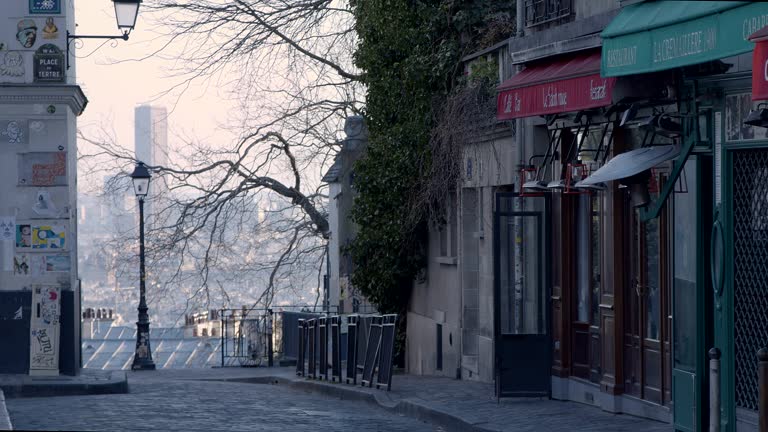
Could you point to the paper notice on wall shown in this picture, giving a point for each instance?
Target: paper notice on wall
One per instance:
(7, 236)
(7, 228)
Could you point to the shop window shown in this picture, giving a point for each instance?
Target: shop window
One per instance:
(588, 259)
(538, 12)
(737, 107)
(595, 267)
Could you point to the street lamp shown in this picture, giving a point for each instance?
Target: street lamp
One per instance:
(126, 13)
(142, 360)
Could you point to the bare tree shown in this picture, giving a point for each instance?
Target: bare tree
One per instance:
(227, 211)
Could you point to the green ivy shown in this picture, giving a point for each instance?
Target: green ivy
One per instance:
(410, 53)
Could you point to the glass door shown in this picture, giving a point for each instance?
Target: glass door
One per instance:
(523, 354)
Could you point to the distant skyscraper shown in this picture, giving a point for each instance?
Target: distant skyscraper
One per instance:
(151, 144)
(151, 134)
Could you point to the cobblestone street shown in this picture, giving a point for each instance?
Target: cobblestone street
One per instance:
(167, 404)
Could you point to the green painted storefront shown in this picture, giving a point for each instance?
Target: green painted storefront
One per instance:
(719, 294)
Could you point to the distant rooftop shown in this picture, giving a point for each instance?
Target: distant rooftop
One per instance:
(170, 349)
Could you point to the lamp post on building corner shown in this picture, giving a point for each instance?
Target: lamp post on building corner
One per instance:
(142, 359)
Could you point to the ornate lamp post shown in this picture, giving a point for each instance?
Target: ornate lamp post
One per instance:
(126, 12)
(142, 360)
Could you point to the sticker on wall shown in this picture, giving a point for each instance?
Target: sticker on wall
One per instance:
(44, 329)
(49, 64)
(37, 127)
(30, 264)
(26, 32)
(13, 131)
(43, 169)
(50, 31)
(44, 205)
(22, 265)
(11, 64)
(48, 237)
(7, 234)
(44, 6)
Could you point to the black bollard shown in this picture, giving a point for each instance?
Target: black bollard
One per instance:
(762, 370)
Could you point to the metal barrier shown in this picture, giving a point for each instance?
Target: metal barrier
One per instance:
(372, 352)
(323, 351)
(378, 354)
(386, 351)
(352, 333)
(312, 331)
(300, 350)
(336, 348)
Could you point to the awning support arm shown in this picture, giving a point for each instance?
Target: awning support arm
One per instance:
(691, 128)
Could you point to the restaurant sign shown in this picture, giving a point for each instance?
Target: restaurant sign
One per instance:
(706, 38)
(574, 94)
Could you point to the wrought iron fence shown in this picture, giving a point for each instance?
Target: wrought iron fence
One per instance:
(543, 11)
(750, 250)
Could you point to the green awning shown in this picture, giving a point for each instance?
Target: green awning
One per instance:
(659, 35)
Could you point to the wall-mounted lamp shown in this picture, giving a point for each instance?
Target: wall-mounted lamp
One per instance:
(758, 117)
(126, 13)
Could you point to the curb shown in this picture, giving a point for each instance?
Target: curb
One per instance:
(5, 419)
(18, 390)
(405, 407)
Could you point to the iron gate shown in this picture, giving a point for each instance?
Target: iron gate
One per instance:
(750, 260)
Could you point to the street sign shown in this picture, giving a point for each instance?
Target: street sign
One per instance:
(49, 64)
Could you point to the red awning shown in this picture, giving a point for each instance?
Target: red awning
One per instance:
(566, 84)
(760, 65)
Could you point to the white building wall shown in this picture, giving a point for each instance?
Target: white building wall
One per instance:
(38, 171)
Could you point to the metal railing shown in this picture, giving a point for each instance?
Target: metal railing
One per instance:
(538, 12)
(253, 337)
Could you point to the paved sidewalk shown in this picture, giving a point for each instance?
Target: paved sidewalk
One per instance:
(450, 405)
(5, 421)
(453, 404)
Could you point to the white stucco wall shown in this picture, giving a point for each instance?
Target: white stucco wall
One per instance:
(37, 127)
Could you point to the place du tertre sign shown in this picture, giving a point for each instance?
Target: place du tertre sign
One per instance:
(49, 64)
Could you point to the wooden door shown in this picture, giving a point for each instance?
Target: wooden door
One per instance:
(585, 327)
(647, 371)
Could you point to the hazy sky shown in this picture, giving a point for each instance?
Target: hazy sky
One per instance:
(114, 90)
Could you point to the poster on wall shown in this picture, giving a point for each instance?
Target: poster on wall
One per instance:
(44, 330)
(29, 264)
(24, 236)
(56, 263)
(44, 6)
(48, 237)
(43, 169)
